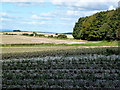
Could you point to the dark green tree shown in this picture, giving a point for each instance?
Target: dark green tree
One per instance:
(104, 25)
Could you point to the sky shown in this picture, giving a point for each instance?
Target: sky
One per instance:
(57, 16)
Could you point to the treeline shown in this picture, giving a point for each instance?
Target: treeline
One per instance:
(104, 25)
(59, 36)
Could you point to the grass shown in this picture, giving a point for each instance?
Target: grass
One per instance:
(98, 43)
(21, 48)
(88, 43)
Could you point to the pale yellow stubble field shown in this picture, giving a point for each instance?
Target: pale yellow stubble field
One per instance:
(19, 39)
(34, 49)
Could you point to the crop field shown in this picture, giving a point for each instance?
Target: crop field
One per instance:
(75, 68)
(18, 39)
(34, 49)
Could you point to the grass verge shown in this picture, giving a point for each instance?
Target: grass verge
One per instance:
(87, 43)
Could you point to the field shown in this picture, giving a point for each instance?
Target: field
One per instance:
(39, 62)
(18, 39)
(19, 43)
(33, 49)
(78, 68)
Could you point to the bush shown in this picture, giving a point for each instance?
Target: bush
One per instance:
(31, 34)
(56, 34)
(50, 36)
(34, 34)
(26, 34)
(62, 36)
(9, 34)
(40, 35)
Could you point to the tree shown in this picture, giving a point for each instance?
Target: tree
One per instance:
(16, 30)
(62, 36)
(100, 26)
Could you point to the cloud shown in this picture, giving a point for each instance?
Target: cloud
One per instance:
(65, 18)
(22, 0)
(28, 4)
(70, 13)
(3, 14)
(8, 16)
(35, 22)
(111, 8)
(49, 14)
(87, 4)
(66, 23)
(77, 1)
(23, 4)
(39, 17)
(4, 19)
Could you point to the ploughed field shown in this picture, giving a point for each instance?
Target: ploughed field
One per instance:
(78, 68)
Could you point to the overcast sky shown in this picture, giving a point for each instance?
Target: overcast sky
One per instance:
(49, 15)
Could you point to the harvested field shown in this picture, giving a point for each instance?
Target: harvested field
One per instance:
(33, 49)
(18, 39)
(42, 48)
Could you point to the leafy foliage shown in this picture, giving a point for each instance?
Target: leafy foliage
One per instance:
(50, 36)
(62, 36)
(100, 26)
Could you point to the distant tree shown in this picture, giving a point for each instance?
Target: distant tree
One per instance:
(26, 34)
(34, 34)
(62, 36)
(51, 36)
(16, 30)
(31, 34)
(41, 35)
(56, 34)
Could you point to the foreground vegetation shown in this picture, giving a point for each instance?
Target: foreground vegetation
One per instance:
(104, 51)
(78, 68)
